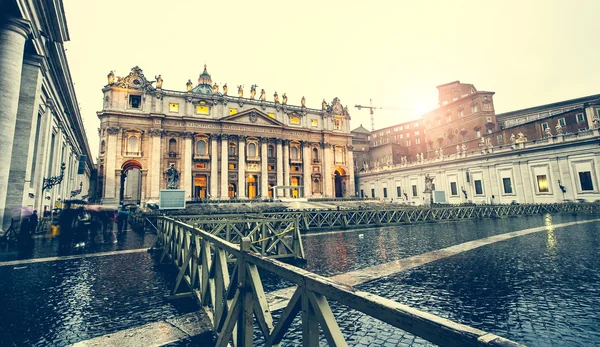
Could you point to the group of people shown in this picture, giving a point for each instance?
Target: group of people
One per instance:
(75, 226)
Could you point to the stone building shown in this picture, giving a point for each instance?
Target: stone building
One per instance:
(222, 146)
(39, 114)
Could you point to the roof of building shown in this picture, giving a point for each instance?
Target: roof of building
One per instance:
(549, 106)
(361, 130)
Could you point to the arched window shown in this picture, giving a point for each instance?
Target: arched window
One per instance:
(252, 149)
(133, 144)
(102, 146)
(172, 146)
(315, 154)
(201, 147)
(232, 149)
(270, 152)
(295, 153)
(316, 186)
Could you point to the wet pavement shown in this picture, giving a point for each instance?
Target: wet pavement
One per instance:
(539, 289)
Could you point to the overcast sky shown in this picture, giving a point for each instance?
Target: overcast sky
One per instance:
(529, 52)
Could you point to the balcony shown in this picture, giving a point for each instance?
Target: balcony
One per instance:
(173, 154)
(133, 154)
(201, 157)
(253, 158)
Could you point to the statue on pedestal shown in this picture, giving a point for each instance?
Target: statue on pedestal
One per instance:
(303, 102)
(240, 91)
(253, 91)
(111, 77)
(159, 81)
(172, 177)
(215, 88)
(547, 132)
(512, 138)
(464, 148)
(189, 85)
(324, 105)
(285, 99)
(263, 95)
(225, 89)
(458, 149)
(276, 97)
(559, 130)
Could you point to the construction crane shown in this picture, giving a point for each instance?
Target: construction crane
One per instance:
(371, 111)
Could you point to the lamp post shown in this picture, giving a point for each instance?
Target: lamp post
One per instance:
(562, 189)
(78, 191)
(52, 181)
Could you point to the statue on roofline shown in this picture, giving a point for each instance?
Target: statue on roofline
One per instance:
(225, 89)
(303, 102)
(240, 91)
(253, 91)
(159, 81)
(263, 95)
(276, 98)
(285, 99)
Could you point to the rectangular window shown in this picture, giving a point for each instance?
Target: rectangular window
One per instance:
(418, 141)
(499, 138)
(585, 180)
(460, 113)
(474, 108)
(272, 115)
(544, 126)
(362, 193)
(314, 123)
(414, 190)
(294, 120)
(398, 191)
(232, 111)
(448, 118)
(232, 166)
(201, 165)
(579, 117)
(174, 107)
(337, 124)
(407, 126)
(453, 189)
(507, 185)
(372, 192)
(135, 101)
(562, 122)
(201, 109)
(542, 182)
(478, 187)
(385, 192)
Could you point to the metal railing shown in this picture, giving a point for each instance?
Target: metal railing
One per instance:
(234, 300)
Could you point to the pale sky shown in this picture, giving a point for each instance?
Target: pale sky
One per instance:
(530, 52)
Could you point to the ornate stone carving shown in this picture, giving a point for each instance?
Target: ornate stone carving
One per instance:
(112, 130)
(135, 80)
(336, 107)
(224, 137)
(155, 132)
(187, 134)
(278, 141)
(253, 117)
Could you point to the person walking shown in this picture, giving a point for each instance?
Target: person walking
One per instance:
(33, 222)
(122, 217)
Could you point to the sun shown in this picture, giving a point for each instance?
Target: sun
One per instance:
(420, 107)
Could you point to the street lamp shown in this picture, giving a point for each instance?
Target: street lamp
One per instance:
(562, 189)
(78, 191)
(52, 181)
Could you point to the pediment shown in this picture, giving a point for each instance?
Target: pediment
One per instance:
(252, 116)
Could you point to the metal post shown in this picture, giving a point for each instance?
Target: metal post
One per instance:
(245, 324)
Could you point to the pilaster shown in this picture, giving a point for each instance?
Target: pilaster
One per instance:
(241, 167)
(264, 169)
(224, 194)
(214, 168)
(306, 170)
(286, 166)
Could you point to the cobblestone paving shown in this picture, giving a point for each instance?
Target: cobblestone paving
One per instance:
(59, 303)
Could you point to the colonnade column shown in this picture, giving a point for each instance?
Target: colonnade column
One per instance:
(155, 174)
(350, 165)
(279, 165)
(187, 165)
(306, 168)
(286, 166)
(111, 166)
(13, 33)
(241, 167)
(214, 167)
(327, 174)
(224, 194)
(264, 169)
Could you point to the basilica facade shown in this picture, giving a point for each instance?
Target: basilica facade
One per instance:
(221, 146)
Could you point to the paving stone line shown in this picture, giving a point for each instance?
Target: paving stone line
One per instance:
(70, 257)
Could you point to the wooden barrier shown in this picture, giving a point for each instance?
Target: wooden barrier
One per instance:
(233, 300)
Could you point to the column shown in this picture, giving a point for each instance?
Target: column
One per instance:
(214, 168)
(241, 167)
(111, 165)
(286, 166)
(306, 168)
(264, 169)
(224, 167)
(186, 170)
(351, 184)
(279, 166)
(43, 156)
(143, 190)
(19, 181)
(155, 174)
(13, 33)
(327, 174)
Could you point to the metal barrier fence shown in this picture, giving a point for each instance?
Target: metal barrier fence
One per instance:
(233, 300)
(332, 219)
(270, 236)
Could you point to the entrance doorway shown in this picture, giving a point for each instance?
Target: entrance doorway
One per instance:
(130, 191)
(232, 191)
(339, 183)
(252, 186)
(200, 191)
(295, 182)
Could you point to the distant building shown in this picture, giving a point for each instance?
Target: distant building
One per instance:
(475, 155)
(39, 114)
(223, 143)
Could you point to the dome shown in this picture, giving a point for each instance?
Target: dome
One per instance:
(204, 83)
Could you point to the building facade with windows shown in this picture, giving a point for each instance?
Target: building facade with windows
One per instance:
(39, 114)
(223, 146)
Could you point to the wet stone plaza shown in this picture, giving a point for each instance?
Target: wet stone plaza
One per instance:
(538, 288)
